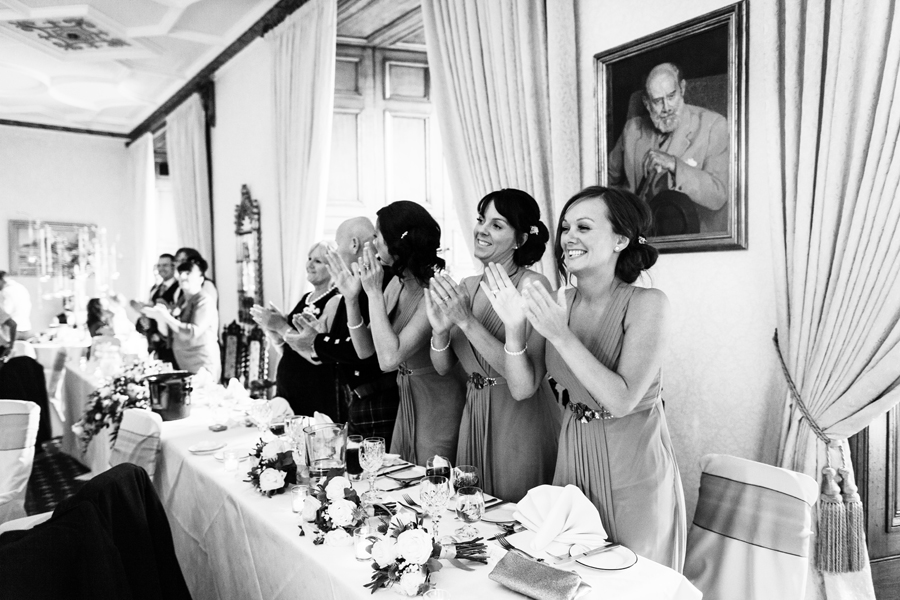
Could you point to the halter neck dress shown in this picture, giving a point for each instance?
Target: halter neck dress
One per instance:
(626, 465)
(431, 405)
(513, 443)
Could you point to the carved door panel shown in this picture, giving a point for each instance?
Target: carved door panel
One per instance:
(876, 457)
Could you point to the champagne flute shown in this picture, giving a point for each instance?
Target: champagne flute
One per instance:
(371, 457)
(434, 494)
(469, 509)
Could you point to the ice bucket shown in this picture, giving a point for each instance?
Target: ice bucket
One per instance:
(170, 394)
(326, 446)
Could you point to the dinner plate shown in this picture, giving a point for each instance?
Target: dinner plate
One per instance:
(616, 559)
(220, 455)
(206, 446)
(501, 514)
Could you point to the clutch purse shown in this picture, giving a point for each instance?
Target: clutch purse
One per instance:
(538, 580)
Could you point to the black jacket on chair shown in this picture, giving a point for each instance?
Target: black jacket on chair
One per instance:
(22, 378)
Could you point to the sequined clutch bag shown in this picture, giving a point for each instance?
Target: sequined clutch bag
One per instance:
(538, 580)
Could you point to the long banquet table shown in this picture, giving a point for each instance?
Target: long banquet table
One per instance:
(232, 542)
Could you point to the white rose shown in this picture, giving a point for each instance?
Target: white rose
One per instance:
(310, 506)
(415, 545)
(273, 449)
(77, 429)
(338, 537)
(268, 436)
(341, 512)
(336, 487)
(271, 479)
(411, 581)
(384, 551)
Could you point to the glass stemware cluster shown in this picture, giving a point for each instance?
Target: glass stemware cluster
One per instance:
(435, 494)
(371, 458)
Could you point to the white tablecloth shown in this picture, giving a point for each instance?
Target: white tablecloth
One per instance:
(233, 542)
(77, 386)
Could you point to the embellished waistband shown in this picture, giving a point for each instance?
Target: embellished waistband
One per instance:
(406, 371)
(479, 381)
(586, 415)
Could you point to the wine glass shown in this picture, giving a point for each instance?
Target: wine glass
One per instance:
(261, 414)
(295, 427)
(354, 469)
(434, 494)
(469, 509)
(371, 457)
(465, 476)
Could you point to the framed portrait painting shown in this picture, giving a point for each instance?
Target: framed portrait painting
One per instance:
(671, 127)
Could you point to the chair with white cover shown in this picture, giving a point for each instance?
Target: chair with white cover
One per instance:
(138, 439)
(19, 422)
(751, 532)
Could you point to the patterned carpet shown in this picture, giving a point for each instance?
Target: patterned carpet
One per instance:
(53, 479)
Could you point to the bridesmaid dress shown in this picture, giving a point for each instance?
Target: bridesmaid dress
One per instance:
(625, 465)
(512, 443)
(430, 404)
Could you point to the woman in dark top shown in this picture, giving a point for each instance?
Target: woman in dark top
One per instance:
(99, 317)
(301, 379)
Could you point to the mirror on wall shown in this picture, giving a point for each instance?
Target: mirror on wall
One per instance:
(249, 255)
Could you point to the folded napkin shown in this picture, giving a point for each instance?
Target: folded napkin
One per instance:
(538, 580)
(280, 410)
(560, 517)
(321, 418)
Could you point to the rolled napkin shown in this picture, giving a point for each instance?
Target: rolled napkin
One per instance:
(560, 517)
(281, 410)
(538, 580)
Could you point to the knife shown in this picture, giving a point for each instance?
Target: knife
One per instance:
(396, 469)
(489, 504)
(593, 552)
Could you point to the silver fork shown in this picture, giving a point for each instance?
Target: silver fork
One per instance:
(504, 543)
(410, 501)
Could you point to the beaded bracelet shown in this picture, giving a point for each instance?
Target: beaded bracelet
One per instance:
(358, 325)
(519, 353)
(439, 349)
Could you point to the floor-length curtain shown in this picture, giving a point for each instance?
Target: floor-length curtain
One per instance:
(305, 54)
(142, 179)
(832, 80)
(188, 170)
(488, 61)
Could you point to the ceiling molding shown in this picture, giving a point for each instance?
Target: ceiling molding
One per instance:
(63, 129)
(397, 30)
(271, 19)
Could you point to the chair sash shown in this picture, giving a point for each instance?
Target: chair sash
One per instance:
(137, 441)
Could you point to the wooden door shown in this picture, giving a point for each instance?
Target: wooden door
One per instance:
(876, 460)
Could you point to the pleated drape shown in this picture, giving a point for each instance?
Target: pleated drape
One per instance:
(142, 178)
(834, 87)
(304, 59)
(186, 154)
(488, 61)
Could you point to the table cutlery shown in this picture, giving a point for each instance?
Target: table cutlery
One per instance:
(564, 559)
(410, 501)
(405, 483)
(504, 543)
(493, 503)
(396, 470)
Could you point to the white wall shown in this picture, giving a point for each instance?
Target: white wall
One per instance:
(243, 150)
(722, 383)
(66, 177)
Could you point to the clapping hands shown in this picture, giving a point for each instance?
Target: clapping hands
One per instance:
(346, 280)
(548, 315)
(449, 302)
(371, 273)
(268, 318)
(503, 296)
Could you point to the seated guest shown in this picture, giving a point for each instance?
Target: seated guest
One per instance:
(193, 325)
(99, 317)
(112, 539)
(209, 286)
(302, 379)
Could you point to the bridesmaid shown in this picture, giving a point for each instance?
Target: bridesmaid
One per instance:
(513, 443)
(606, 338)
(406, 242)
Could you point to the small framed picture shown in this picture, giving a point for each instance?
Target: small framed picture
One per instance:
(671, 127)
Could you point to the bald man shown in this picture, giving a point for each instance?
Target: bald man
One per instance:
(677, 153)
(370, 396)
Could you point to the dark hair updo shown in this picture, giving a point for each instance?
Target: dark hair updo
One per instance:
(191, 262)
(522, 213)
(630, 217)
(191, 253)
(412, 237)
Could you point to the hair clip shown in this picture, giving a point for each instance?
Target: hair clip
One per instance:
(642, 239)
(403, 235)
(533, 230)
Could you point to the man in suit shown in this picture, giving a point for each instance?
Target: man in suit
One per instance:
(163, 292)
(676, 157)
(369, 396)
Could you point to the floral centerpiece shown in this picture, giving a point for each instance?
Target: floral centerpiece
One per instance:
(409, 555)
(275, 468)
(105, 404)
(338, 510)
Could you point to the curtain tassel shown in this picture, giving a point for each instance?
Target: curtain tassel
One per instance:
(856, 535)
(831, 539)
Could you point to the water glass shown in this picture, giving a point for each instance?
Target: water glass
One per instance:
(469, 509)
(434, 494)
(465, 476)
(440, 466)
(261, 414)
(371, 457)
(354, 469)
(231, 459)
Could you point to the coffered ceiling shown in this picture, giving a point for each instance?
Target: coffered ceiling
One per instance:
(107, 65)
